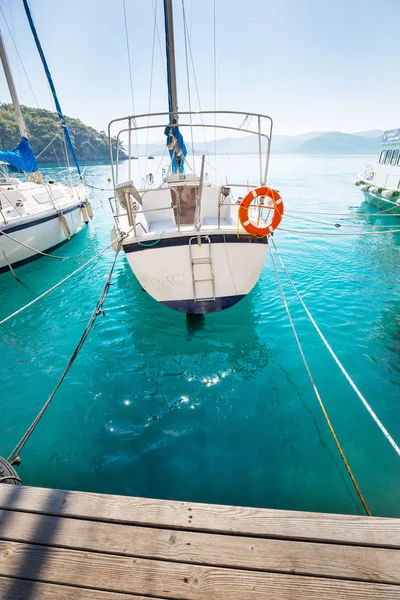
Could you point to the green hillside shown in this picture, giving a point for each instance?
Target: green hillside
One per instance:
(43, 126)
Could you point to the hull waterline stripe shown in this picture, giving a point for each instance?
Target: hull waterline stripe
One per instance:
(12, 228)
(202, 307)
(230, 238)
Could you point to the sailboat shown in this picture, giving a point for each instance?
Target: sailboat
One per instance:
(36, 215)
(194, 246)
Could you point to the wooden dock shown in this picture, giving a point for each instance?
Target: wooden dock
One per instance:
(59, 545)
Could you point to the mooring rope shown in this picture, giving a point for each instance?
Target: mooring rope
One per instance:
(33, 249)
(338, 225)
(305, 232)
(327, 419)
(94, 187)
(335, 358)
(20, 310)
(381, 213)
(96, 312)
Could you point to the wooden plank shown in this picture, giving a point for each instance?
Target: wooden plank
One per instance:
(19, 589)
(174, 580)
(306, 558)
(377, 531)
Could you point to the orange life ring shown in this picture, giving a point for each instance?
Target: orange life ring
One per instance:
(261, 192)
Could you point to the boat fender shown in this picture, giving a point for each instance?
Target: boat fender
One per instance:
(364, 188)
(8, 474)
(65, 226)
(261, 192)
(84, 213)
(114, 239)
(89, 209)
(387, 193)
(373, 190)
(358, 182)
(398, 202)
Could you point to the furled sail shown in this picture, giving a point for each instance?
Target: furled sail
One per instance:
(176, 147)
(21, 157)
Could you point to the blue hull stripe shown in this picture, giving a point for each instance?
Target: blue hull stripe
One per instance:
(12, 228)
(231, 238)
(190, 307)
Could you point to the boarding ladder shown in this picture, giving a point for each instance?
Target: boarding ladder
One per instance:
(201, 267)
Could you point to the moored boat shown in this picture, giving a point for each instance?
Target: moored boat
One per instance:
(380, 183)
(194, 246)
(36, 215)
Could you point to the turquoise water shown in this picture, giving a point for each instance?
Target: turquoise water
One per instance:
(220, 410)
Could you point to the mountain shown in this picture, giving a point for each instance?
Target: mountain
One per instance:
(316, 142)
(339, 143)
(371, 133)
(43, 126)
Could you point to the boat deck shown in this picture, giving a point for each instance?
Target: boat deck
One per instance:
(60, 545)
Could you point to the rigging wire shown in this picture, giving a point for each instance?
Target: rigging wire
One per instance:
(49, 144)
(322, 406)
(129, 57)
(151, 80)
(215, 89)
(98, 310)
(197, 88)
(131, 85)
(335, 358)
(186, 34)
(19, 57)
(158, 37)
(30, 85)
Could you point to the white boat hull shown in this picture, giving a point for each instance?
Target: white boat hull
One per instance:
(44, 233)
(164, 270)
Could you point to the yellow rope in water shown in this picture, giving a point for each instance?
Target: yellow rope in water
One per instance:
(328, 421)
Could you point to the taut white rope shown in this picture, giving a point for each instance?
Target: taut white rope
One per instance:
(337, 361)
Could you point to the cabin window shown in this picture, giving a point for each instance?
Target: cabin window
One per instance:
(388, 157)
(395, 156)
(382, 157)
(398, 160)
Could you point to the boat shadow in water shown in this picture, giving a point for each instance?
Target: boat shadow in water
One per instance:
(195, 323)
(162, 332)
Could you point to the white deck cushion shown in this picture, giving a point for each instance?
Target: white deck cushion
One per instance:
(166, 225)
(159, 203)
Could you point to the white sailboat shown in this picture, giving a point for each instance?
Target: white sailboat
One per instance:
(194, 246)
(36, 215)
(380, 183)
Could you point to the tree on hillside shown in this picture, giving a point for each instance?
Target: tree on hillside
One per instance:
(43, 127)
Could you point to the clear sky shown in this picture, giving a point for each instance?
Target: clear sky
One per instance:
(313, 65)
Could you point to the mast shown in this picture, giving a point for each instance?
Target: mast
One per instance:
(51, 84)
(171, 69)
(11, 87)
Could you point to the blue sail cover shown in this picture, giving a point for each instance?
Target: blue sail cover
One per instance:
(20, 157)
(176, 147)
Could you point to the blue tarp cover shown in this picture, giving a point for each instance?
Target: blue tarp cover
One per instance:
(176, 147)
(20, 157)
